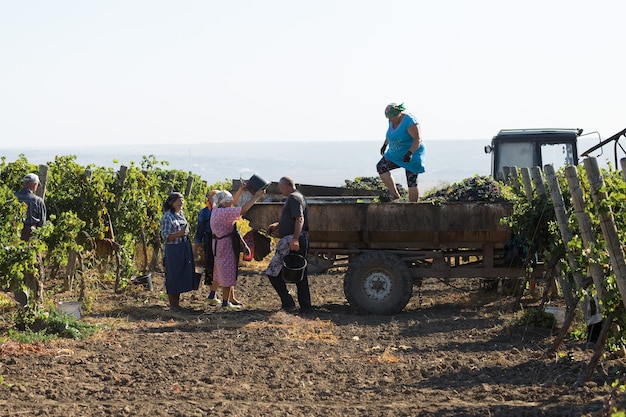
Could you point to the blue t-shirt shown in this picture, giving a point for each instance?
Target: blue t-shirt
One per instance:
(204, 226)
(400, 141)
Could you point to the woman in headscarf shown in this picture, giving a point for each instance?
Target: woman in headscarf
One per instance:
(226, 241)
(204, 237)
(405, 151)
(177, 252)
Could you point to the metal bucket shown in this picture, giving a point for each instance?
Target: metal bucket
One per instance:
(71, 308)
(294, 267)
(256, 183)
(558, 313)
(145, 280)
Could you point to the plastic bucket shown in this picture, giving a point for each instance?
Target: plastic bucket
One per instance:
(294, 267)
(71, 308)
(145, 280)
(558, 313)
(256, 183)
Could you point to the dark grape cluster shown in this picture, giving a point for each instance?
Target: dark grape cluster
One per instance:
(374, 183)
(473, 189)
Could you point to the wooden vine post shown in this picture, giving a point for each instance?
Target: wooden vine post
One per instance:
(616, 254)
(566, 235)
(74, 257)
(528, 190)
(189, 185)
(515, 181)
(527, 181)
(511, 176)
(561, 217)
(43, 181)
(121, 180)
(537, 177)
(586, 231)
(553, 271)
(506, 173)
(607, 224)
(144, 239)
(170, 178)
(593, 312)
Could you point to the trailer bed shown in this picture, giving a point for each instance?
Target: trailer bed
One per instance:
(422, 226)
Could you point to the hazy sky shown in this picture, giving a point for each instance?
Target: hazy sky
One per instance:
(151, 71)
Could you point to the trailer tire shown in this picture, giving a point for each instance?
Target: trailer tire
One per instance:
(378, 283)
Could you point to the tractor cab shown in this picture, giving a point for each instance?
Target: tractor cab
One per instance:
(532, 147)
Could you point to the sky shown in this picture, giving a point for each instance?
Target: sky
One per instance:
(151, 71)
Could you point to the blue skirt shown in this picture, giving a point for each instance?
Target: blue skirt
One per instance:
(179, 267)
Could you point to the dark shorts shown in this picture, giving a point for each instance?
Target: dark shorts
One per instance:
(385, 165)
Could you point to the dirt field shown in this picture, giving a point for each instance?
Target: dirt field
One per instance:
(458, 352)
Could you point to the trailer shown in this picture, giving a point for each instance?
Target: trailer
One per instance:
(389, 248)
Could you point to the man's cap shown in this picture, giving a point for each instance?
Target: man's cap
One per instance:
(31, 178)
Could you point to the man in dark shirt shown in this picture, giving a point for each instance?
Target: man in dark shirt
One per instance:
(35, 217)
(292, 229)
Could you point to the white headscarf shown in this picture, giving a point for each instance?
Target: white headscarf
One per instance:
(221, 198)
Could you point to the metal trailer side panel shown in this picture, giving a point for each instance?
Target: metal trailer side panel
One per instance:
(396, 226)
(430, 226)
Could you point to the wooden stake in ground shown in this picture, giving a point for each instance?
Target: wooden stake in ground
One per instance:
(607, 223)
(586, 231)
(528, 184)
(561, 217)
(566, 234)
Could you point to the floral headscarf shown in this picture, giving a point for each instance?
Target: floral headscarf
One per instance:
(394, 110)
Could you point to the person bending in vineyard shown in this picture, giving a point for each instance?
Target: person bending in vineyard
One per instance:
(35, 217)
(203, 238)
(177, 251)
(405, 151)
(292, 228)
(227, 242)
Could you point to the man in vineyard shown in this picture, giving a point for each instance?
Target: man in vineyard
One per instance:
(36, 208)
(293, 230)
(35, 217)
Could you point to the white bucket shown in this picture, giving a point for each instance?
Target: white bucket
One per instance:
(71, 308)
(558, 313)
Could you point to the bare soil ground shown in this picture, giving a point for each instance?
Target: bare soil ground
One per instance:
(452, 352)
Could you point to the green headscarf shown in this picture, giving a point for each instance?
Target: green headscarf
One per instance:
(394, 110)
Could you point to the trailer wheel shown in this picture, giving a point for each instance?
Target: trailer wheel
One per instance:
(378, 283)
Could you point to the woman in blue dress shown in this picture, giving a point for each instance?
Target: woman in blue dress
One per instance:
(177, 252)
(405, 151)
